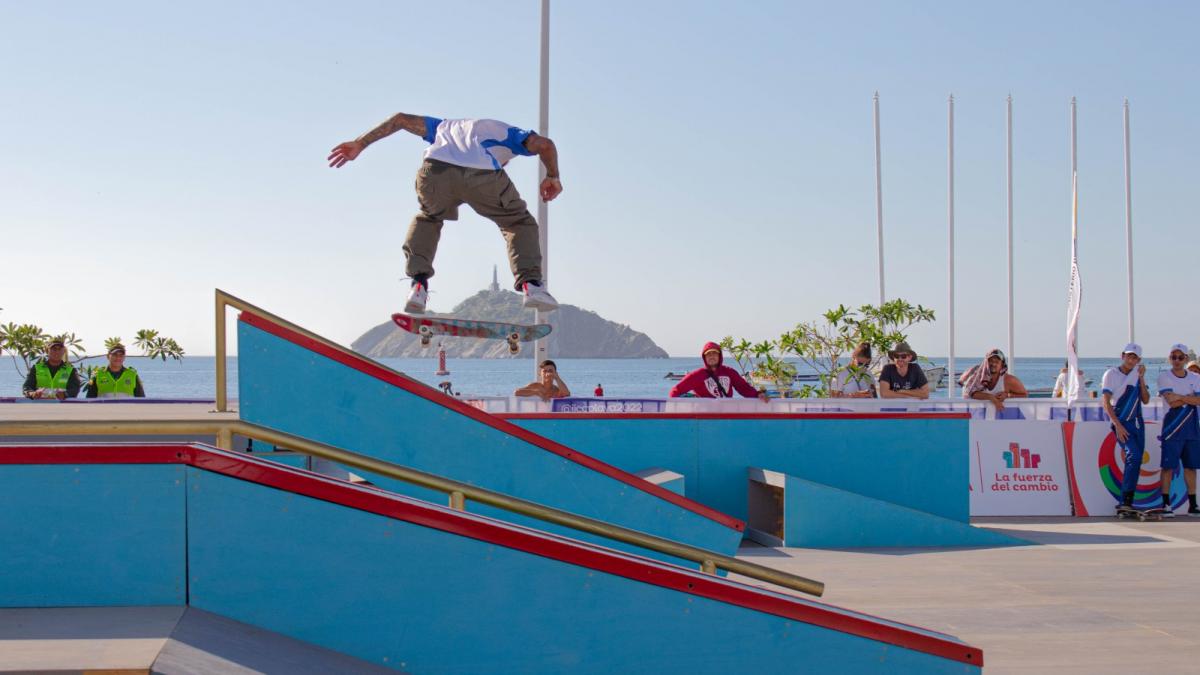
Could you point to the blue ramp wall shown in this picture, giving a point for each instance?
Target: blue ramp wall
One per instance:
(92, 535)
(292, 388)
(423, 600)
(818, 516)
(918, 462)
(399, 582)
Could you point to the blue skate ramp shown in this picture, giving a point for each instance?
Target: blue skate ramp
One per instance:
(403, 583)
(295, 383)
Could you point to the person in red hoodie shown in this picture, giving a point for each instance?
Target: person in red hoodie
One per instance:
(715, 380)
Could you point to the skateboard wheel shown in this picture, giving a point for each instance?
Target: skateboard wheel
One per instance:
(425, 331)
(425, 340)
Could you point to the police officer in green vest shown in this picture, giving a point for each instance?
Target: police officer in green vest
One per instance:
(52, 377)
(115, 381)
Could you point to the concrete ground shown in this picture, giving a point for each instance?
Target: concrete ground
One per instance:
(1093, 595)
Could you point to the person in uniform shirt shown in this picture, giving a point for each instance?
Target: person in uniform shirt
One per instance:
(464, 164)
(1180, 438)
(855, 381)
(115, 380)
(1127, 384)
(52, 377)
(903, 378)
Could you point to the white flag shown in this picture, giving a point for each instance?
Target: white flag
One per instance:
(1073, 300)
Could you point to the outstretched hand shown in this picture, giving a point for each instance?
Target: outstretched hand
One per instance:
(550, 188)
(346, 152)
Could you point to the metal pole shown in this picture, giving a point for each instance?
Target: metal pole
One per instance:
(543, 217)
(1012, 358)
(950, 381)
(221, 399)
(879, 200)
(1128, 223)
(1074, 192)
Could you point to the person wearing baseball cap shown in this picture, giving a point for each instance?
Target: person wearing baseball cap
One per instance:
(115, 380)
(52, 377)
(1180, 438)
(1127, 382)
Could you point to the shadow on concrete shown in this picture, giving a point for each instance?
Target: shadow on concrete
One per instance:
(1068, 538)
(753, 549)
(208, 643)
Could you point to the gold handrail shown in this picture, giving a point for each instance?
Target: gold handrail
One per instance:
(225, 300)
(459, 492)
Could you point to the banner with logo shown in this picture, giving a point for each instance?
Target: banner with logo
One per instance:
(1098, 466)
(1018, 469)
(607, 405)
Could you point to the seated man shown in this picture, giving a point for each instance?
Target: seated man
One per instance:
(903, 378)
(990, 381)
(52, 377)
(550, 386)
(115, 381)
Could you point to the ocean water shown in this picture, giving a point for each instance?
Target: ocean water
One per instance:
(194, 377)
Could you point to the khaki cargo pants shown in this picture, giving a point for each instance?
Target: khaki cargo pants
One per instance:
(442, 188)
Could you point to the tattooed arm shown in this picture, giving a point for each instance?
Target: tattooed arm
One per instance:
(348, 151)
(544, 148)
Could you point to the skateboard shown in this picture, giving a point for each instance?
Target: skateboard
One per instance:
(1130, 513)
(429, 326)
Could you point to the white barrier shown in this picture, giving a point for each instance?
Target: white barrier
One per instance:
(1048, 409)
(1018, 468)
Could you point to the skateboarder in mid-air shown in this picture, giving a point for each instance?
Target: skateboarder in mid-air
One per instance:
(464, 164)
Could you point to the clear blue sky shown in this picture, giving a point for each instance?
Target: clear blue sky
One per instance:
(717, 160)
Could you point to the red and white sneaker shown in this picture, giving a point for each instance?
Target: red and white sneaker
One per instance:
(537, 297)
(417, 298)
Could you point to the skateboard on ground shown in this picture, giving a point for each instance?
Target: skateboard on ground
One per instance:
(428, 326)
(1130, 513)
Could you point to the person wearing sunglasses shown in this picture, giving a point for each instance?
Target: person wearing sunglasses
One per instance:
(855, 380)
(903, 378)
(1180, 438)
(1127, 382)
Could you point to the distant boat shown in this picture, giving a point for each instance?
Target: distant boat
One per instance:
(936, 376)
(1048, 392)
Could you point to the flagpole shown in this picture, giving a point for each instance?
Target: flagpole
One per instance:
(1074, 194)
(543, 218)
(950, 381)
(1128, 224)
(1012, 352)
(1074, 289)
(879, 201)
